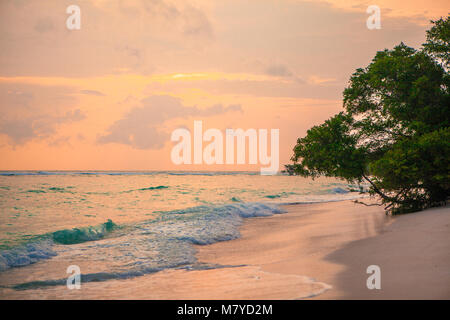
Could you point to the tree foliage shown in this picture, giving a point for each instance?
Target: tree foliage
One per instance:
(438, 41)
(394, 131)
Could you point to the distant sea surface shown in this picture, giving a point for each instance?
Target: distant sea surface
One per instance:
(127, 224)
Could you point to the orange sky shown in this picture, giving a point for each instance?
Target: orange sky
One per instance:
(107, 96)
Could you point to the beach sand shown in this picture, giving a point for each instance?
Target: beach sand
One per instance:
(317, 251)
(336, 242)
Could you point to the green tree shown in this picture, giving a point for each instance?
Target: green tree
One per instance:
(394, 131)
(438, 41)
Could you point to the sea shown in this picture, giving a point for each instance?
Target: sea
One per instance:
(120, 225)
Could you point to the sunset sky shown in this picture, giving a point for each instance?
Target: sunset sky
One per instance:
(108, 96)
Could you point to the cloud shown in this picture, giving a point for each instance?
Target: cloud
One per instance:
(317, 80)
(281, 71)
(197, 24)
(30, 112)
(419, 10)
(188, 19)
(278, 71)
(132, 35)
(44, 25)
(295, 87)
(60, 141)
(92, 93)
(22, 130)
(140, 128)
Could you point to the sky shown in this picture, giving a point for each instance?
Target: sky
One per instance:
(109, 95)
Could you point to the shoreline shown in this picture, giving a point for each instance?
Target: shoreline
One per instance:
(335, 242)
(313, 251)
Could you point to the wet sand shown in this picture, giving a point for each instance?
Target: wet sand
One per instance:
(334, 243)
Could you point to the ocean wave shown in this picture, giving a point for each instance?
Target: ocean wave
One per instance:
(51, 189)
(280, 195)
(26, 254)
(154, 245)
(147, 189)
(339, 190)
(105, 276)
(35, 191)
(79, 235)
(154, 188)
(41, 247)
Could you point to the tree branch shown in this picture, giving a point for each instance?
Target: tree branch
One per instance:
(378, 191)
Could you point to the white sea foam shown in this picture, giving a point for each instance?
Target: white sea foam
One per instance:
(26, 254)
(154, 245)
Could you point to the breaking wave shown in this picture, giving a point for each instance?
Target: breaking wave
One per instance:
(41, 247)
(142, 248)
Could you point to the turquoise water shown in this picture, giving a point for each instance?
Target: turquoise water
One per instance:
(126, 224)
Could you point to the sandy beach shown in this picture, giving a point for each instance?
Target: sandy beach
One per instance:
(317, 251)
(335, 243)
